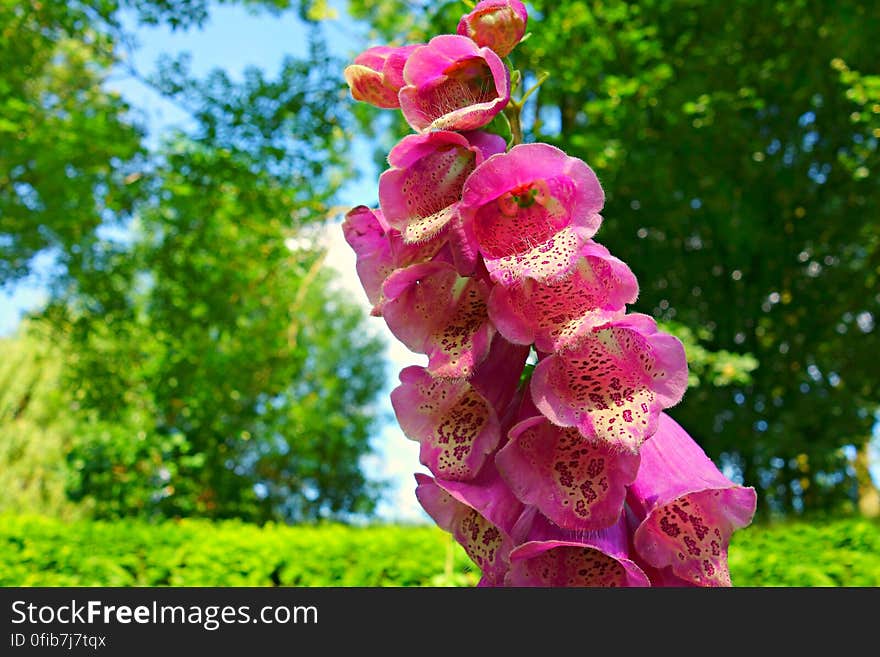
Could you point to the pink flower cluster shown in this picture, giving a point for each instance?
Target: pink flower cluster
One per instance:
(562, 473)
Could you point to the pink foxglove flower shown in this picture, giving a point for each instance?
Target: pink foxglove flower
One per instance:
(376, 75)
(562, 473)
(687, 509)
(457, 422)
(556, 314)
(529, 211)
(455, 425)
(453, 84)
(479, 514)
(614, 383)
(549, 556)
(419, 194)
(381, 251)
(575, 482)
(497, 24)
(434, 311)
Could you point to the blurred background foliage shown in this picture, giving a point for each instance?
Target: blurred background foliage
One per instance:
(195, 359)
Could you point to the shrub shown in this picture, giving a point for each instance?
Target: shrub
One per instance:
(37, 551)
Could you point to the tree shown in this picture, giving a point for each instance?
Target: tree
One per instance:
(68, 147)
(257, 377)
(64, 140)
(736, 143)
(210, 368)
(37, 427)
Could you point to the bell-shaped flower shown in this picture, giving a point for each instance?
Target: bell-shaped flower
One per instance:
(479, 514)
(419, 194)
(456, 421)
(380, 251)
(376, 76)
(550, 556)
(434, 311)
(556, 314)
(687, 509)
(575, 482)
(529, 211)
(453, 84)
(496, 24)
(614, 383)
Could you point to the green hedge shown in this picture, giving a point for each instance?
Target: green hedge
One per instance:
(43, 552)
(820, 553)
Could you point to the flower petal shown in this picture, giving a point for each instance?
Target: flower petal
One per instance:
(456, 426)
(480, 515)
(452, 84)
(404, 255)
(434, 311)
(555, 557)
(544, 262)
(366, 232)
(556, 314)
(664, 577)
(392, 69)
(367, 86)
(419, 195)
(688, 509)
(498, 376)
(380, 251)
(576, 483)
(530, 210)
(376, 75)
(614, 383)
(487, 143)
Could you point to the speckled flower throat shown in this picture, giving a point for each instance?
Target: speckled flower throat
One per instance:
(563, 469)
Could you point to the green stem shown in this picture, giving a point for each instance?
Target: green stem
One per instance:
(512, 112)
(541, 80)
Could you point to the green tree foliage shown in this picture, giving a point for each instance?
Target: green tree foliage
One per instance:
(242, 393)
(737, 143)
(64, 139)
(219, 328)
(36, 426)
(207, 365)
(67, 146)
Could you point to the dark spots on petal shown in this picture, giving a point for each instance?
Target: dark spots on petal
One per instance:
(571, 566)
(700, 549)
(480, 539)
(604, 381)
(457, 417)
(543, 262)
(561, 310)
(669, 528)
(572, 472)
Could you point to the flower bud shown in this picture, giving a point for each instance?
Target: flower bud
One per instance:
(377, 75)
(496, 24)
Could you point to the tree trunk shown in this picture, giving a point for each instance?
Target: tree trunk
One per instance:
(869, 496)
